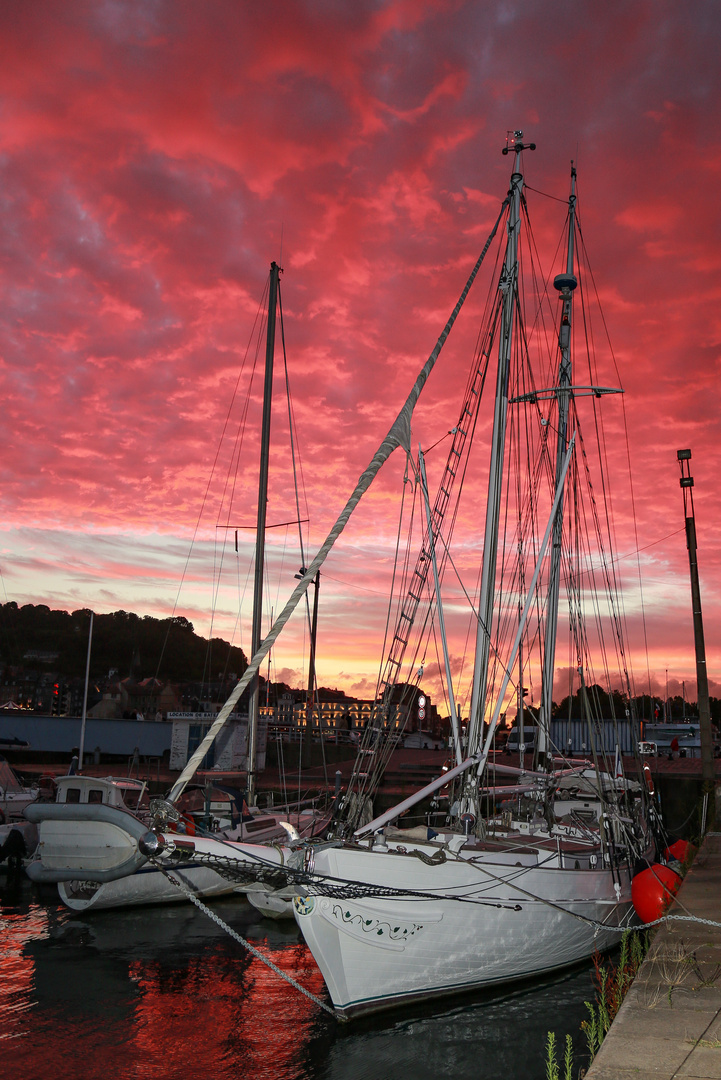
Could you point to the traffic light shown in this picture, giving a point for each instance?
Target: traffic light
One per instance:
(55, 701)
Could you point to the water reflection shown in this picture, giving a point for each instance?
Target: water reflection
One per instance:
(164, 993)
(17, 969)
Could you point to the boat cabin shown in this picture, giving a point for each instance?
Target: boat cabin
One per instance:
(123, 792)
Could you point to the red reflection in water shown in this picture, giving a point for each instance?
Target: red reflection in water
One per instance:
(17, 970)
(75, 1001)
(42, 1031)
(235, 1013)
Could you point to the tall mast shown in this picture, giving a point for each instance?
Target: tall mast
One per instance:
(565, 284)
(708, 773)
(508, 288)
(256, 636)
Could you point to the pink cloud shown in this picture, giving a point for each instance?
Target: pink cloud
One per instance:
(154, 160)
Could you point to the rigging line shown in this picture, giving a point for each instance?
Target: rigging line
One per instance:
(389, 610)
(543, 297)
(385, 892)
(554, 198)
(350, 888)
(215, 462)
(439, 441)
(353, 585)
(638, 561)
(587, 266)
(311, 690)
(290, 426)
(398, 435)
(609, 560)
(476, 615)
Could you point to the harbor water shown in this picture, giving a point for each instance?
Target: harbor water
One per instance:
(165, 993)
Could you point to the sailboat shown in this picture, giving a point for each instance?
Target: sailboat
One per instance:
(392, 915)
(88, 838)
(542, 879)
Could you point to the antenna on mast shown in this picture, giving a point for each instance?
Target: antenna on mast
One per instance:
(515, 143)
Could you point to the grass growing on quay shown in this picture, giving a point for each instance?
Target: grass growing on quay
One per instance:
(612, 982)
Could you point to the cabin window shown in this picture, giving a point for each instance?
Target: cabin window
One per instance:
(95, 795)
(72, 794)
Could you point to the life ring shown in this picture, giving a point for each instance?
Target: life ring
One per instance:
(649, 779)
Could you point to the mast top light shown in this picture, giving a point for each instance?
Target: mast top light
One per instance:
(514, 141)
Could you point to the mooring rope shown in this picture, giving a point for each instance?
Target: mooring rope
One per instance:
(247, 945)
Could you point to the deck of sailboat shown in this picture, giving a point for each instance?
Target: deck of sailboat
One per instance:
(501, 842)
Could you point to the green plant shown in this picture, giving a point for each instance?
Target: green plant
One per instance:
(612, 983)
(552, 1072)
(551, 1061)
(568, 1059)
(613, 980)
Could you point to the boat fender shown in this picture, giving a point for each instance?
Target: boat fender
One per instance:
(681, 850)
(653, 890)
(649, 779)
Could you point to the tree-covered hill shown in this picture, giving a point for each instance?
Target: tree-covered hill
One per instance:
(130, 644)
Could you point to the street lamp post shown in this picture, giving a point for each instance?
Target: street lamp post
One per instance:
(704, 709)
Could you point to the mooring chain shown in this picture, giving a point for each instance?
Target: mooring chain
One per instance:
(247, 945)
(682, 918)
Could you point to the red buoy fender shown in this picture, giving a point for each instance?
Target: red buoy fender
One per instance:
(653, 890)
(649, 779)
(681, 850)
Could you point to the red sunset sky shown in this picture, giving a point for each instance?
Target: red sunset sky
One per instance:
(156, 155)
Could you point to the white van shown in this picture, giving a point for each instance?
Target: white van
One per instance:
(513, 741)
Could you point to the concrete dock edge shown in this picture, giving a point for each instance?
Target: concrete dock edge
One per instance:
(669, 1024)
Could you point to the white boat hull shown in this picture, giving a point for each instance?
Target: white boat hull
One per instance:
(91, 851)
(272, 903)
(14, 803)
(146, 886)
(469, 930)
